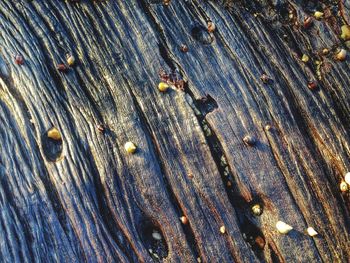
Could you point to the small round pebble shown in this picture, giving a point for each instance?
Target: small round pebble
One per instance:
(163, 86)
(318, 14)
(345, 35)
(211, 27)
(222, 230)
(249, 140)
(184, 48)
(54, 134)
(61, 67)
(130, 147)
(305, 58)
(257, 210)
(184, 220)
(312, 85)
(19, 59)
(264, 78)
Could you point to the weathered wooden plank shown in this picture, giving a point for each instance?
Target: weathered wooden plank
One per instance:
(85, 199)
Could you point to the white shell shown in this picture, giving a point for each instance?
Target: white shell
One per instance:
(156, 235)
(312, 232)
(71, 60)
(347, 178)
(341, 55)
(222, 229)
(130, 147)
(283, 228)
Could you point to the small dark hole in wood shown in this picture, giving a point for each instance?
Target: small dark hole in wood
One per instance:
(153, 239)
(253, 236)
(165, 55)
(206, 104)
(201, 34)
(283, 11)
(52, 148)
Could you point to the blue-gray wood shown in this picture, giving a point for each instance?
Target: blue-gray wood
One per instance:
(253, 129)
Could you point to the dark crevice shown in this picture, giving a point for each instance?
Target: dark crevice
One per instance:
(152, 238)
(253, 236)
(189, 234)
(274, 256)
(250, 232)
(201, 34)
(187, 229)
(164, 54)
(155, 2)
(164, 50)
(206, 104)
(145, 7)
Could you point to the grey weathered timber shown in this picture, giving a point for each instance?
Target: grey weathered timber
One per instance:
(83, 198)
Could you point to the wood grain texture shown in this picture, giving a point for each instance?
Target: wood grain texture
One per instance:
(84, 199)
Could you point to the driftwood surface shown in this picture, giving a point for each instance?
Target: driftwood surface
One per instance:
(82, 198)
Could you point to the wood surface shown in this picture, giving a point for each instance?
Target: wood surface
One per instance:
(83, 198)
